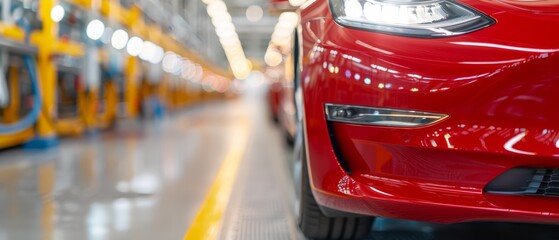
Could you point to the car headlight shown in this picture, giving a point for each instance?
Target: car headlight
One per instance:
(414, 18)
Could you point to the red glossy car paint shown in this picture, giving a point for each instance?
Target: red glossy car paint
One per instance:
(282, 108)
(499, 86)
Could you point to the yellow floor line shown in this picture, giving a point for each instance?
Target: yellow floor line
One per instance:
(208, 221)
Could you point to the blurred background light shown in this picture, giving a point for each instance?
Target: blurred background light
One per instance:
(157, 56)
(273, 58)
(148, 51)
(216, 8)
(134, 46)
(57, 13)
(119, 39)
(219, 19)
(95, 29)
(254, 13)
(228, 37)
(172, 63)
(282, 39)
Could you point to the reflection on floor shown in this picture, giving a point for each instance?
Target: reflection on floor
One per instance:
(144, 180)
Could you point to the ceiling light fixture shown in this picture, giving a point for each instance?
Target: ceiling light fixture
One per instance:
(225, 30)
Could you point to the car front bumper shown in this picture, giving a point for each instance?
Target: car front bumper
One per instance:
(499, 96)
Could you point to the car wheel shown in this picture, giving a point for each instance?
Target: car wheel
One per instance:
(310, 218)
(312, 221)
(289, 140)
(273, 116)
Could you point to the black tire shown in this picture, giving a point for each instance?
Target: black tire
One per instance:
(289, 140)
(315, 225)
(273, 116)
(312, 222)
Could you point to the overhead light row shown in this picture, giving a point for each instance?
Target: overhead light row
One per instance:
(186, 70)
(171, 62)
(225, 30)
(282, 38)
(135, 46)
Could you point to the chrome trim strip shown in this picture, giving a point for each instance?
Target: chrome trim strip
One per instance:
(376, 116)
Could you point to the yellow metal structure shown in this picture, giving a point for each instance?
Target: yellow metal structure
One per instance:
(46, 41)
(11, 112)
(135, 88)
(88, 105)
(87, 4)
(109, 99)
(51, 46)
(108, 117)
(68, 48)
(16, 138)
(113, 10)
(11, 31)
(131, 88)
(130, 18)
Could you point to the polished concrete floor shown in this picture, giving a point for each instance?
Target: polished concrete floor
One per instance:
(144, 180)
(148, 179)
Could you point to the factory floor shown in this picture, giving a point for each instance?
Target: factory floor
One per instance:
(220, 166)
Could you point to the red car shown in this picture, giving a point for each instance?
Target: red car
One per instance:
(281, 101)
(273, 98)
(438, 111)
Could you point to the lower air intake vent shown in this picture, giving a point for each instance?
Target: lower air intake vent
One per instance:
(526, 181)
